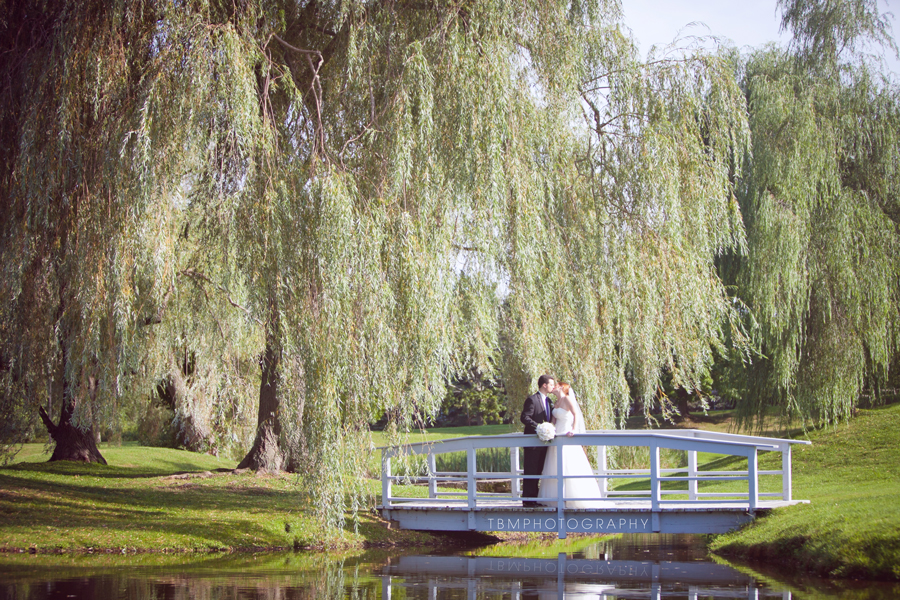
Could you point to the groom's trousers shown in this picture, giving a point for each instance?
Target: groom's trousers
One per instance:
(534, 465)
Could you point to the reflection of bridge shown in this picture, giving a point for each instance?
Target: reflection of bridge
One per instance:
(567, 578)
(455, 501)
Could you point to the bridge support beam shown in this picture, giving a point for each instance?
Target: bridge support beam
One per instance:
(572, 521)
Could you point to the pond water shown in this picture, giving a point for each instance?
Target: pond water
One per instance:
(636, 566)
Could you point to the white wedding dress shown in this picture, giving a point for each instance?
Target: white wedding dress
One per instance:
(575, 462)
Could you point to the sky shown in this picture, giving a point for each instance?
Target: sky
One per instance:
(747, 23)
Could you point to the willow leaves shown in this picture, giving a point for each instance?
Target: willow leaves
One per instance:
(820, 198)
(330, 209)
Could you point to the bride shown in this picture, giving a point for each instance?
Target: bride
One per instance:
(569, 420)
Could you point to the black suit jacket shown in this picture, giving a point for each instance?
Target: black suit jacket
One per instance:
(533, 413)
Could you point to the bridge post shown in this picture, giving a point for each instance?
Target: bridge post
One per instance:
(472, 485)
(692, 473)
(753, 479)
(560, 494)
(600, 452)
(385, 478)
(514, 472)
(786, 475)
(470, 477)
(654, 477)
(432, 480)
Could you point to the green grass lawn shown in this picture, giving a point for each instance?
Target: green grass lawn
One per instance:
(851, 528)
(444, 433)
(163, 499)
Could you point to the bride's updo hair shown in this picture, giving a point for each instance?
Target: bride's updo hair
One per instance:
(565, 387)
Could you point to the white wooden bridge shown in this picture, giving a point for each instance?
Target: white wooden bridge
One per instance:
(456, 501)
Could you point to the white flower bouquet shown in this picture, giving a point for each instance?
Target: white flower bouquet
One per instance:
(546, 432)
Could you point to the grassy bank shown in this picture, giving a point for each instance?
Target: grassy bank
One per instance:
(157, 499)
(851, 528)
(164, 500)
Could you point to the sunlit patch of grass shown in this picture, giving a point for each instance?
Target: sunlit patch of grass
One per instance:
(167, 500)
(445, 433)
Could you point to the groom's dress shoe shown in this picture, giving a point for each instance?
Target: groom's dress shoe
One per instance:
(529, 504)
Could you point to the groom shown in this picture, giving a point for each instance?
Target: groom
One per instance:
(537, 410)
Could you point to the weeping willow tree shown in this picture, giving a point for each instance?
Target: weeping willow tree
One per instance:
(820, 199)
(447, 172)
(70, 269)
(92, 193)
(345, 193)
(647, 210)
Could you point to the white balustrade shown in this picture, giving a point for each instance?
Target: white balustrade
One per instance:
(443, 486)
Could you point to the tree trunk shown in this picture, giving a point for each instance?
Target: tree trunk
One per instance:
(266, 453)
(72, 443)
(682, 399)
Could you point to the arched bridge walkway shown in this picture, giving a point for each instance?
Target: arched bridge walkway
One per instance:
(474, 483)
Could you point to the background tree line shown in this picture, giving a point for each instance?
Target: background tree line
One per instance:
(284, 220)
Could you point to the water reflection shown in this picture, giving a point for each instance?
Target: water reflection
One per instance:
(640, 566)
(183, 577)
(548, 579)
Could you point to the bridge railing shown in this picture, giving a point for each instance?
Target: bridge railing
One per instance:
(461, 487)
